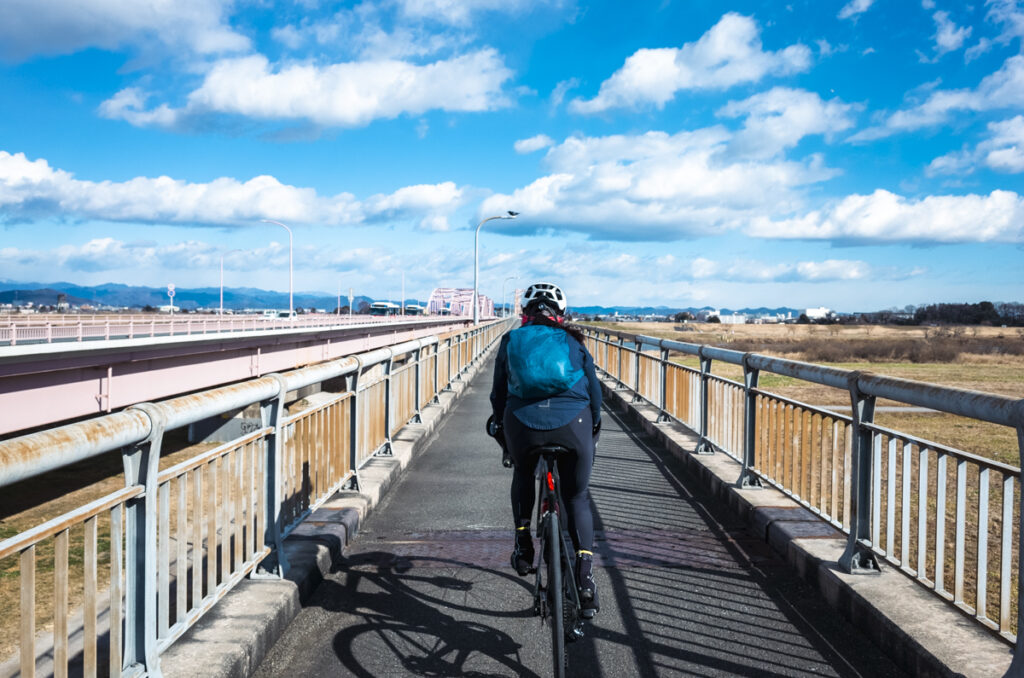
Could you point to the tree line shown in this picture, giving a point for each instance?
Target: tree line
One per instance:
(1010, 314)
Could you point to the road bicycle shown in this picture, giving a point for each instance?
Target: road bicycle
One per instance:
(555, 597)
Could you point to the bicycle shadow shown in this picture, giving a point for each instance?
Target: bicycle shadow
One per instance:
(415, 616)
(694, 590)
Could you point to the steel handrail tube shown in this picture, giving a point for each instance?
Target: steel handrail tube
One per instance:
(818, 374)
(30, 455)
(724, 355)
(195, 407)
(988, 407)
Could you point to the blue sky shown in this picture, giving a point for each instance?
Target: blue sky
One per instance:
(855, 154)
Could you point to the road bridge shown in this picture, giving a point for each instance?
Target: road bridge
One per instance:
(365, 529)
(51, 376)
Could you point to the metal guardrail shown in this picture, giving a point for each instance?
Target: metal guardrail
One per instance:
(171, 543)
(16, 329)
(899, 498)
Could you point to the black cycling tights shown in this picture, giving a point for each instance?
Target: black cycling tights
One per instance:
(573, 470)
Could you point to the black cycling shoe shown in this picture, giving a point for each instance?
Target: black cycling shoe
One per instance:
(586, 585)
(522, 553)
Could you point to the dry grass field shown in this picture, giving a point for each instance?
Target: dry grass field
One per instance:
(988, 359)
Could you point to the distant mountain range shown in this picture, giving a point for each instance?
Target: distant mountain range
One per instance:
(112, 294)
(238, 298)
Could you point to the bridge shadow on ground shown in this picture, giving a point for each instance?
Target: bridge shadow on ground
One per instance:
(685, 589)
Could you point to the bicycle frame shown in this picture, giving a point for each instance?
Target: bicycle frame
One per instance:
(549, 508)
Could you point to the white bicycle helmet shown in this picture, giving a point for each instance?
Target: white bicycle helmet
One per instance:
(548, 292)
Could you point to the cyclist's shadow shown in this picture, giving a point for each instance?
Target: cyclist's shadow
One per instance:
(402, 625)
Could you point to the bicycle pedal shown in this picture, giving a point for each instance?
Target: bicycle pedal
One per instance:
(588, 614)
(574, 634)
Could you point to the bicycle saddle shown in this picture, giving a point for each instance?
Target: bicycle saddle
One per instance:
(554, 450)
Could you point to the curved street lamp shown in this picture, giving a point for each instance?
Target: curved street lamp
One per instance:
(291, 286)
(476, 259)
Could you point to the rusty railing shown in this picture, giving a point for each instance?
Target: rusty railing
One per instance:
(947, 518)
(153, 557)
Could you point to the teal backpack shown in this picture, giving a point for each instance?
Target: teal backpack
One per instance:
(538, 362)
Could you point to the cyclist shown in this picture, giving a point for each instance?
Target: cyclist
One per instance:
(565, 409)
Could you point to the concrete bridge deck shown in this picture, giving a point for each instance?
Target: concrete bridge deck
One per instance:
(686, 589)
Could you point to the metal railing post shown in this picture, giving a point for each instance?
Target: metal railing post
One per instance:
(448, 363)
(639, 347)
(437, 371)
(275, 565)
(618, 373)
(663, 386)
(704, 446)
(458, 372)
(416, 418)
(388, 398)
(1017, 665)
(353, 428)
(141, 467)
(858, 558)
(748, 479)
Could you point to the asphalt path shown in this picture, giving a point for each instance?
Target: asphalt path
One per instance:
(426, 590)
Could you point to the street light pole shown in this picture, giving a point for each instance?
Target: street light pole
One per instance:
(504, 309)
(476, 260)
(291, 283)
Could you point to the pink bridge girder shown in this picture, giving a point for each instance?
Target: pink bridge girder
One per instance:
(42, 384)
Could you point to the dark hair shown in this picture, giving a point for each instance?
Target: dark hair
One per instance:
(544, 320)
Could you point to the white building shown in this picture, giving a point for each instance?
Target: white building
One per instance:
(820, 313)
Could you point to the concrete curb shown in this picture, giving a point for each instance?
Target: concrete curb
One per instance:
(233, 638)
(922, 634)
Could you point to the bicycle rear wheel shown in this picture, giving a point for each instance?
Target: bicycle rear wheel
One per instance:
(556, 598)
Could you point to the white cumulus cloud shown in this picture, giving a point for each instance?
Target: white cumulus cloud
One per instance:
(534, 143)
(656, 186)
(779, 118)
(54, 27)
(729, 53)
(1002, 151)
(761, 271)
(1002, 89)
(347, 94)
(854, 8)
(460, 12)
(948, 36)
(31, 190)
(886, 217)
